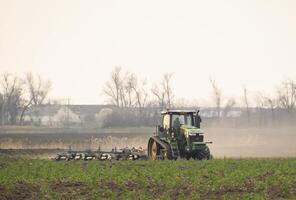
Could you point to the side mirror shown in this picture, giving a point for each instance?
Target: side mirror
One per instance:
(160, 128)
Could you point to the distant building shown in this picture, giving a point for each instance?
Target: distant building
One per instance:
(62, 115)
(89, 113)
(51, 115)
(212, 112)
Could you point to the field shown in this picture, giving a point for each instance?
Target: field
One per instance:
(214, 179)
(250, 163)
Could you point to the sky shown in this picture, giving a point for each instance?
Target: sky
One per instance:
(76, 44)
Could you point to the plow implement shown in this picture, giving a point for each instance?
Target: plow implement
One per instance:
(114, 154)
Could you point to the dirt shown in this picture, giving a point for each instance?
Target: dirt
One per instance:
(104, 186)
(3, 166)
(80, 190)
(4, 193)
(78, 141)
(132, 186)
(265, 176)
(252, 142)
(71, 190)
(227, 142)
(31, 153)
(59, 190)
(21, 191)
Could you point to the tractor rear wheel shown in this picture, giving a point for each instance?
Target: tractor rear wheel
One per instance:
(159, 150)
(154, 150)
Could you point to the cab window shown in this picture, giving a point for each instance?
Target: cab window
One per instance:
(166, 121)
(184, 119)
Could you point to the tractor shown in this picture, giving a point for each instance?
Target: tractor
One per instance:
(179, 136)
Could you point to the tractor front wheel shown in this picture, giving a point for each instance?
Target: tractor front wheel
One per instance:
(204, 154)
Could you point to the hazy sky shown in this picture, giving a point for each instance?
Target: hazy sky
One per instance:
(76, 44)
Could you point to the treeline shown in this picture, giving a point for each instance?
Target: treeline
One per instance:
(259, 109)
(18, 94)
(134, 102)
(138, 105)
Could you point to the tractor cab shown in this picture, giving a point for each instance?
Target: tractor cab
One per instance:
(174, 121)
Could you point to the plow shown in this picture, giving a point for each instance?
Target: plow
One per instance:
(114, 154)
(179, 136)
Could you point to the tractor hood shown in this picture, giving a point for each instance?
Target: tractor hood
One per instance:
(190, 130)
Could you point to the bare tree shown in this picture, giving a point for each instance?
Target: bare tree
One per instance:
(124, 90)
(246, 102)
(217, 96)
(114, 88)
(140, 93)
(271, 105)
(261, 108)
(160, 95)
(287, 95)
(127, 93)
(11, 96)
(2, 108)
(37, 89)
(166, 84)
(229, 105)
(183, 103)
(131, 81)
(163, 92)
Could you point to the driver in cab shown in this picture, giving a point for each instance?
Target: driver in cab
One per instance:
(177, 125)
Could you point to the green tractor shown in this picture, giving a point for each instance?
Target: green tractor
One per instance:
(179, 136)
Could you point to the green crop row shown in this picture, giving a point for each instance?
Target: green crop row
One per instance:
(214, 179)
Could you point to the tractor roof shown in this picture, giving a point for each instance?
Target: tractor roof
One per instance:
(177, 111)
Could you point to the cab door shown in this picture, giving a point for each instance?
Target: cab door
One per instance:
(166, 122)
